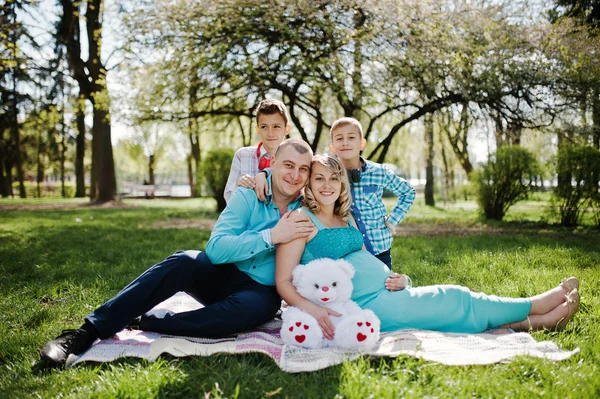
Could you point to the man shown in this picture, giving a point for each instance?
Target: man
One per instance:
(234, 279)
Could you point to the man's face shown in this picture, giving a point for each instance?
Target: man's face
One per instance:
(290, 172)
(347, 143)
(271, 129)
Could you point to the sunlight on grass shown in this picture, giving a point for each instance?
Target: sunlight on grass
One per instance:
(176, 203)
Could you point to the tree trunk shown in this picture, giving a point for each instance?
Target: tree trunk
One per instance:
(429, 182)
(63, 150)
(91, 76)
(4, 181)
(151, 169)
(16, 138)
(107, 182)
(9, 178)
(196, 179)
(93, 193)
(499, 133)
(458, 141)
(596, 117)
(80, 149)
(190, 173)
(446, 174)
(40, 168)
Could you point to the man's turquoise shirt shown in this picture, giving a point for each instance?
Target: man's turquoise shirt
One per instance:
(242, 235)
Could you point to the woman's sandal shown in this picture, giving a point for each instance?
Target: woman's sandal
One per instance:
(569, 284)
(573, 305)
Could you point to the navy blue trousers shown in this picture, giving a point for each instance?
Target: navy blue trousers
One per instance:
(233, 302)
(386, 257)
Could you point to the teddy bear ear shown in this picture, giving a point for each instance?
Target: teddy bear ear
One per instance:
(346, 267)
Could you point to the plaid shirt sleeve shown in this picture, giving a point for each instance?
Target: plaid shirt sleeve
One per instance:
(406, 196)
(245, 162)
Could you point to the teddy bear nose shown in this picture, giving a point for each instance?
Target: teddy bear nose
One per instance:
(325, 289)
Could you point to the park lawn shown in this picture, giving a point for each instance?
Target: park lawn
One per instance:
(56, 265)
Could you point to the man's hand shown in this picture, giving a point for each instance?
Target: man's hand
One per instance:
(246, 181)
(261, 188)
(292, 225)
(396, 282)
(322, 316)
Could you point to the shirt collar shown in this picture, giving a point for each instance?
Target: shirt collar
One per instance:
(363, 164)
(261, 151)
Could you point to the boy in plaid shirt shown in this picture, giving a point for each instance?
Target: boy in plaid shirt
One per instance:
(368, 180)
(272, 127)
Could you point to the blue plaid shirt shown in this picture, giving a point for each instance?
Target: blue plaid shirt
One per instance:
(368, 207)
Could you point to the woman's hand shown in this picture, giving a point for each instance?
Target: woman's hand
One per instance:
(322, 316)
(396, 282)
(246, 181)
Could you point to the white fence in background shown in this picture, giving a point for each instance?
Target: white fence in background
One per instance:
(133, 190)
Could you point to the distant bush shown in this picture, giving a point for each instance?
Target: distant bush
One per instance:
(504, 180)
(578, 169)
(215, 168)
(47, 190)
(465, 191)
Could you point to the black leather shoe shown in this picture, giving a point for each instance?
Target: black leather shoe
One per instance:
(134, 324)
(56, 352)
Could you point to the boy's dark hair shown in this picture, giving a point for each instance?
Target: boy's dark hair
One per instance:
(270, 107)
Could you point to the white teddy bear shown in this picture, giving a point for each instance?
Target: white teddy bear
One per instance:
(328, 283)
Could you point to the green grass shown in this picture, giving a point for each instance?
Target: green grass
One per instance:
(55, 269)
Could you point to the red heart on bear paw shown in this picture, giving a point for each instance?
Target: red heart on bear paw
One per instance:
(361, 337)
(298, 324)
(301, 338)
(291, 328)
(359, 324)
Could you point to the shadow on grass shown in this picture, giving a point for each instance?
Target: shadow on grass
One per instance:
(255, 375)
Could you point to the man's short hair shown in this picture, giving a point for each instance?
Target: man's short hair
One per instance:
(270, 107)
(345, 122)
(299, 145)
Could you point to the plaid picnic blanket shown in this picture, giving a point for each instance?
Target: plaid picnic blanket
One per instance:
(490, 347)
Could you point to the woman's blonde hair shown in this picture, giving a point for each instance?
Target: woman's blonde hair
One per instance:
(342, 204)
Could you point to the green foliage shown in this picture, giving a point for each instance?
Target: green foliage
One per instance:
(376, 61)
(215, 168)
(47, 190)
(504, 180)
(54, 270)
(578, 170)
